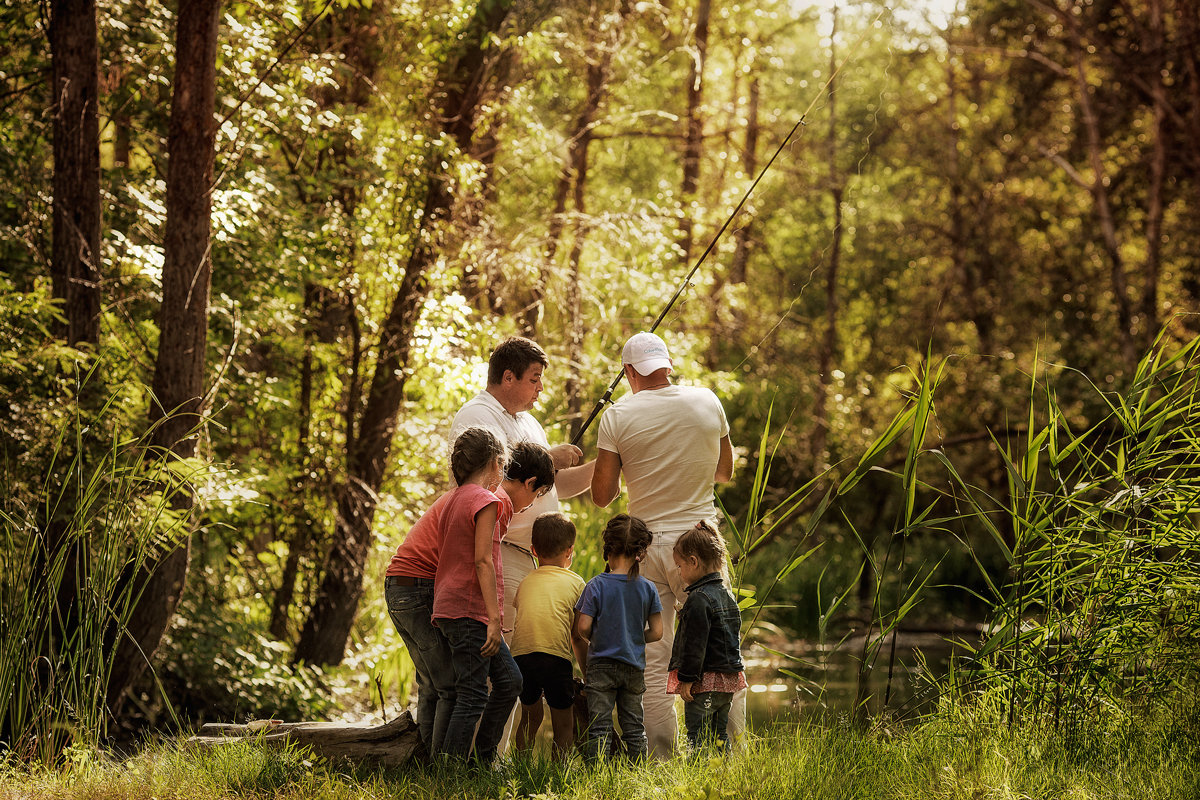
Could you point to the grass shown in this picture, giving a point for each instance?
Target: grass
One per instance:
(950, 756)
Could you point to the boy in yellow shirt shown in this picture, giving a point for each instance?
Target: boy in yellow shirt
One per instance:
(542, 644)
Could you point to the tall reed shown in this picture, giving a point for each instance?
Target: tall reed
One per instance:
(101, 511)
(1103, 601)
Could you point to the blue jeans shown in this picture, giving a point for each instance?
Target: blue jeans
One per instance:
(706, 718)
(410, 608)
(612, 683)
(474, 704)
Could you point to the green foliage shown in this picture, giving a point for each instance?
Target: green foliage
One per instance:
(1104, 599)
(70, 555)
(221, 668)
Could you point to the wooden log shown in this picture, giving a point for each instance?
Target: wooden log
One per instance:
(393, 744)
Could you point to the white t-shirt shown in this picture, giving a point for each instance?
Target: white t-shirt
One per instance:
(485, 411)
(669, 441)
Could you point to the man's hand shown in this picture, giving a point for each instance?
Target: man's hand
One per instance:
(565, 455)
(685, 691)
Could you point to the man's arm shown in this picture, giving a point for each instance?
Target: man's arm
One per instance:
(606, 479)
(574, 481)
(724, 462)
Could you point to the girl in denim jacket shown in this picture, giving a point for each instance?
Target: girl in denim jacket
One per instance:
(706, 660)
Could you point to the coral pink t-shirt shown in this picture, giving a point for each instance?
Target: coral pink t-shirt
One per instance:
(417, 555)
(456, 590)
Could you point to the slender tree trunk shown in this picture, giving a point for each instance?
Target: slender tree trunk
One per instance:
(75, 280)
(829, 342)
(695, 131)
(1157, 177)
(75, 258)
(301, 521)
(599, 60)
(575, 323)
(176, 410)
(742, 234)
(327, 629)
(1103, 209)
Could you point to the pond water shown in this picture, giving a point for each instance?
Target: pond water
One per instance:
(829, 675)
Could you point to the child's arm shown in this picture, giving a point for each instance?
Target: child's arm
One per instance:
(654, 627)
(579, 643)
(485, 570)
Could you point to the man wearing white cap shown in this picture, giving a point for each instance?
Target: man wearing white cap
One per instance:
(672, 444)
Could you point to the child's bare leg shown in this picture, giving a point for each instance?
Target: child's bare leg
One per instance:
(527, 728)
(562, 720)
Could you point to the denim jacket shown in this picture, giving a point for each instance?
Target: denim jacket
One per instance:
(709, 629)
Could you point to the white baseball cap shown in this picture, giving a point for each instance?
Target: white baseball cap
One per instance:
(646, 353)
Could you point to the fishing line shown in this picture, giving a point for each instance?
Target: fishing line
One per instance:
(858, 171)
(687, 280)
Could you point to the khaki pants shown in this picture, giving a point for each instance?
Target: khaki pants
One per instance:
(517, 564)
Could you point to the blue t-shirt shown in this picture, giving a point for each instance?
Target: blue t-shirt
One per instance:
(619, 608)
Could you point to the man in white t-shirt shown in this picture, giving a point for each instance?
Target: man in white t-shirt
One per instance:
(514, 382)
(672, 444)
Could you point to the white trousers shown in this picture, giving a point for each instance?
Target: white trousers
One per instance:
(661, 717)
(517, 564)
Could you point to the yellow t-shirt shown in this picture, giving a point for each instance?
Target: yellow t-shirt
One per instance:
(545, 604)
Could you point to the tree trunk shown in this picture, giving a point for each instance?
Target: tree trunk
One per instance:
(327, 629)
(829, 342)
(741, 234)
(177, 406)
(695, 131)
(75, 259)
(599, 60)
(302, 527)
(1157, 177)
(1103, 209)
(393, 744)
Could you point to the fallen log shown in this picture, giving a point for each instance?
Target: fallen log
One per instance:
(393, 744)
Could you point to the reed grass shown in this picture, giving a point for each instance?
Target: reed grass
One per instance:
(104, 508)
(1102, 604)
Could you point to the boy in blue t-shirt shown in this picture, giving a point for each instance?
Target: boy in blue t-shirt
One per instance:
(619, 612)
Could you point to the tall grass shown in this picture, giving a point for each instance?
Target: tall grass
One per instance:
(803, 510)
(1103, 601)
(954, 757)
(66, 557)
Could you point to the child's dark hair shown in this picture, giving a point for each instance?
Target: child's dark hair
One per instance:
(530, 460)
(626, 536)
(474, 449)
(703, 542)
(552, 534)
(516, 354)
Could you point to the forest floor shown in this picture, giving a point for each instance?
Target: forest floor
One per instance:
(1155, 759)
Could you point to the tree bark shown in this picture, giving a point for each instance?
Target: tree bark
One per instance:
(177, 405)
(327, 628)
(75, 252)
(695, 131)
(829, 341)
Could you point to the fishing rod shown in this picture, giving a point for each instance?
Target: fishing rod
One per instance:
(607, 396)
